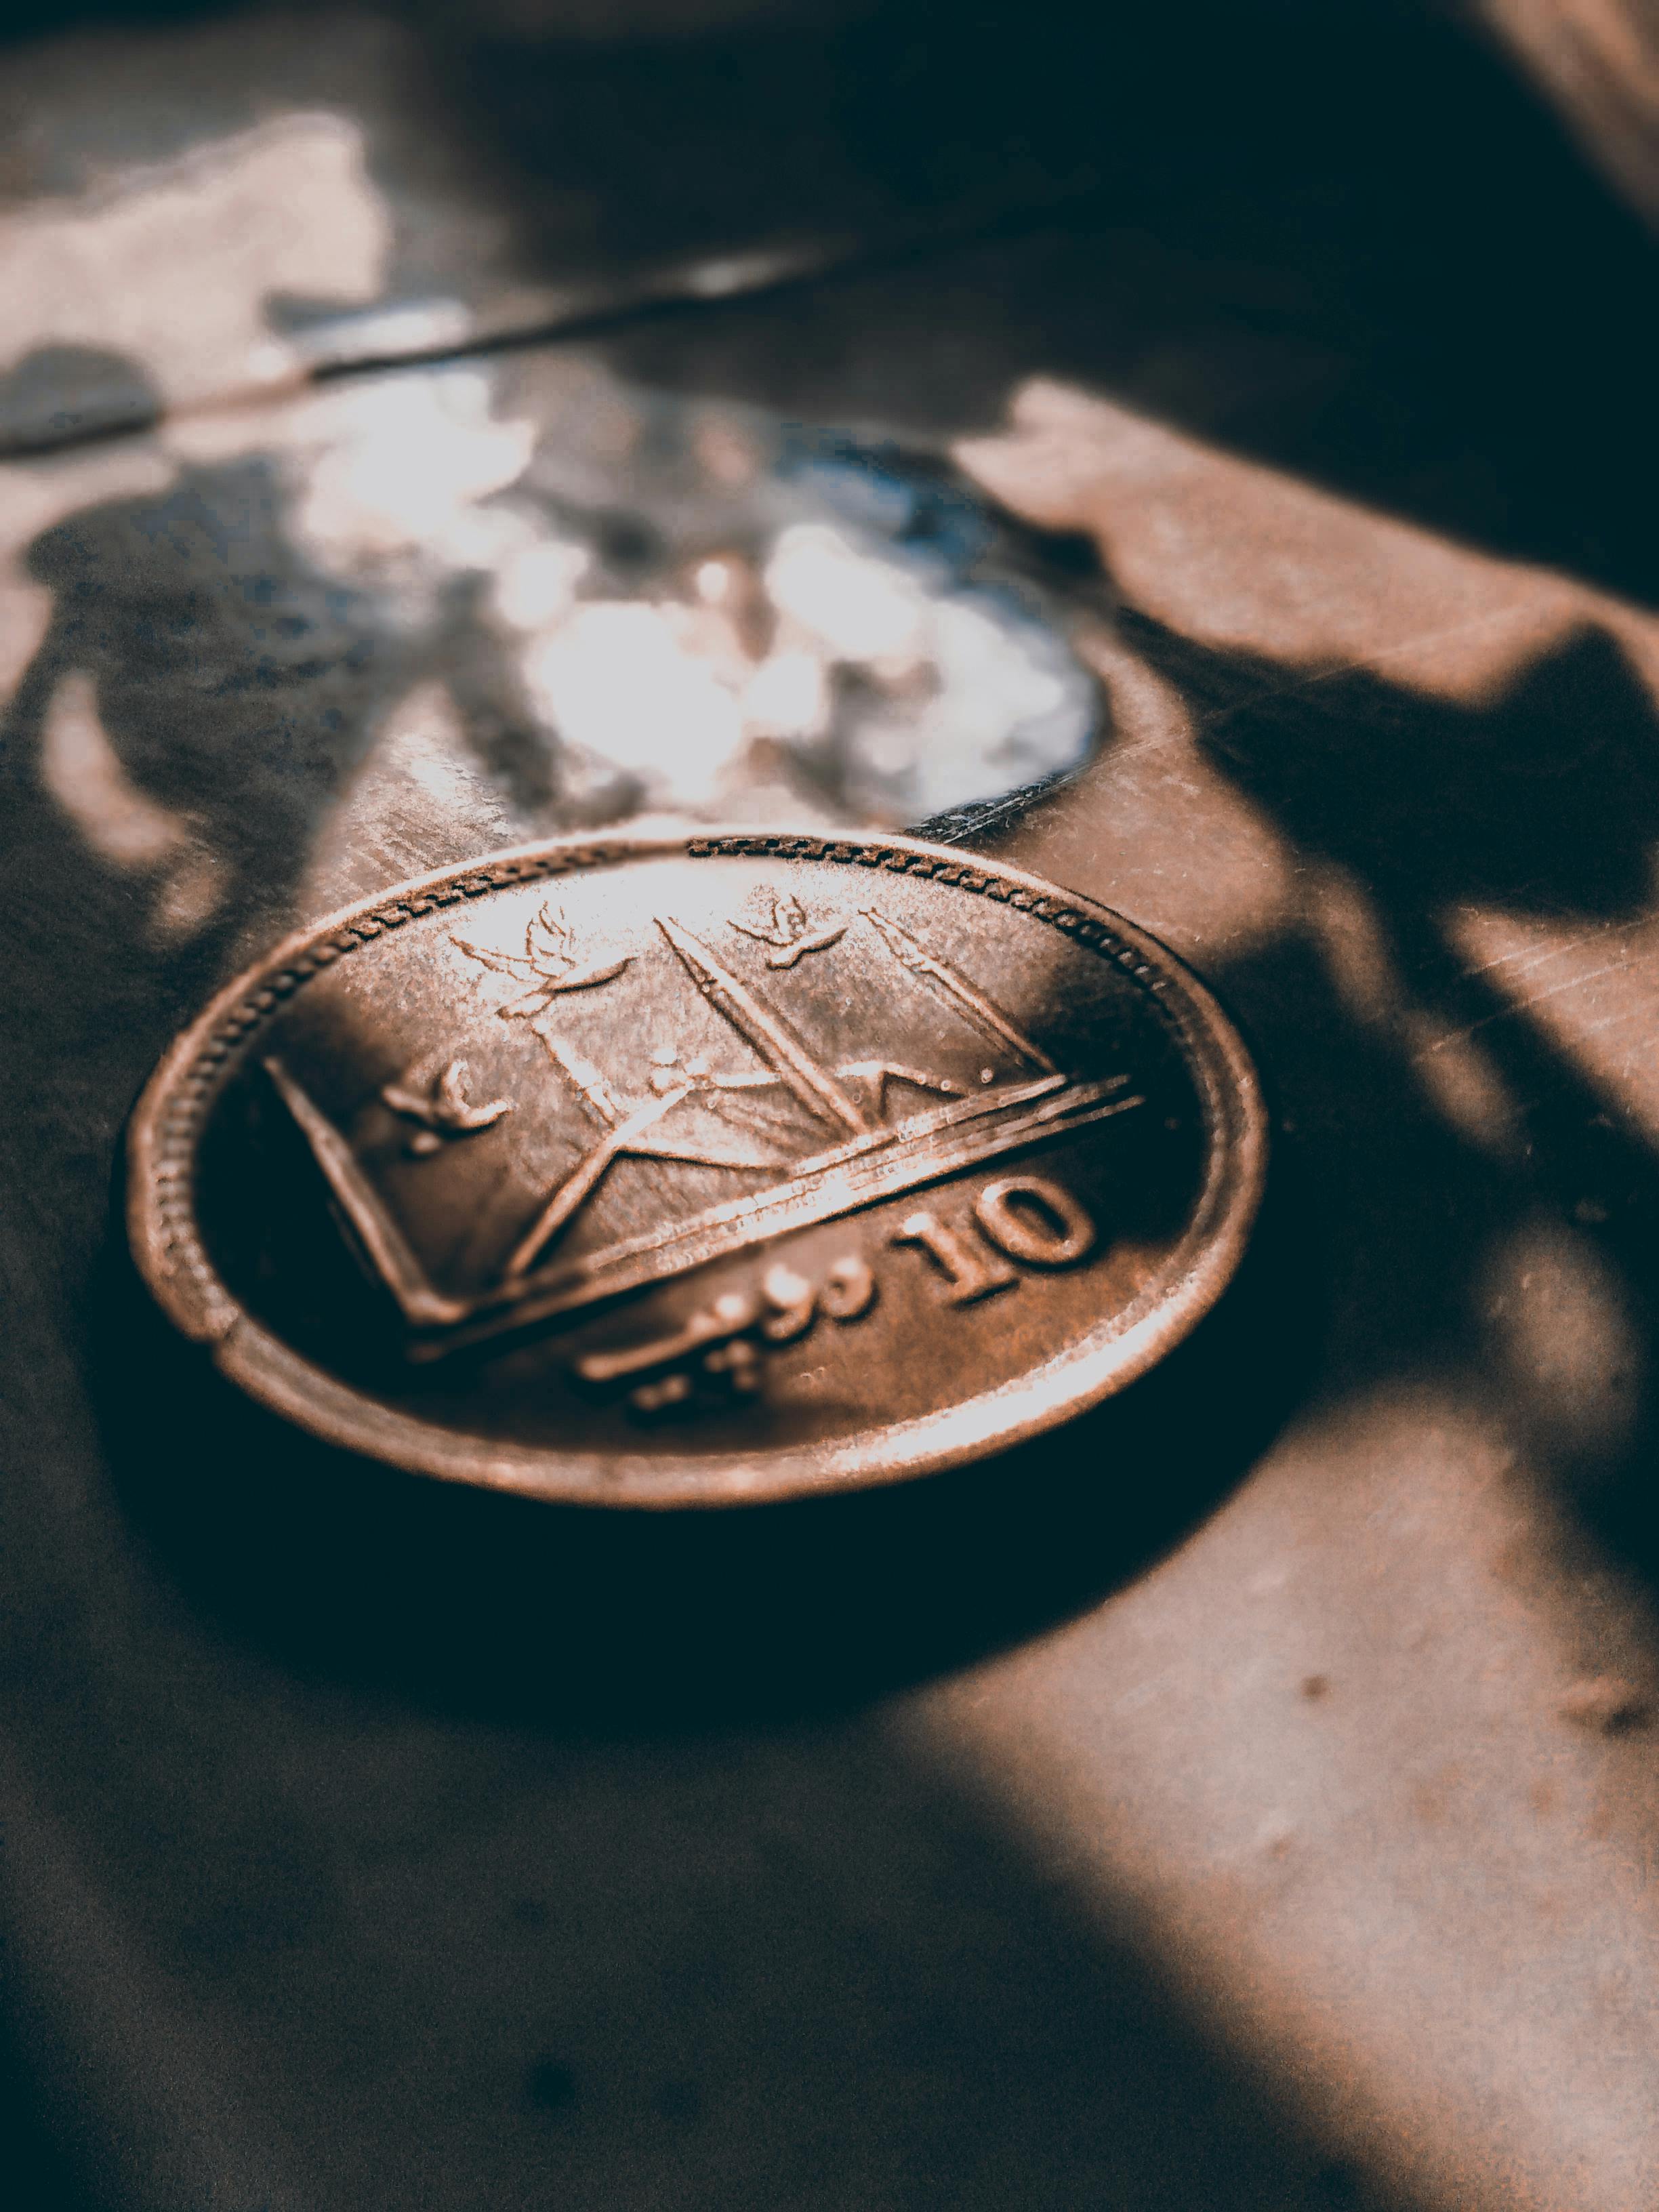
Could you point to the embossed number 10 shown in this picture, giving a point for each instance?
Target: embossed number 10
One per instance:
(1025, 1217)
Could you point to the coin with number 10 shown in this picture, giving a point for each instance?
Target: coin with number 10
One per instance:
(694, 1170)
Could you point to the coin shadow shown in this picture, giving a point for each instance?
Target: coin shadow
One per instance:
(582, 1619)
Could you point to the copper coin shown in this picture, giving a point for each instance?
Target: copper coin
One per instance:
(691, 1170)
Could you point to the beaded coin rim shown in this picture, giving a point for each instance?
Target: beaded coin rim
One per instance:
(176, 1102)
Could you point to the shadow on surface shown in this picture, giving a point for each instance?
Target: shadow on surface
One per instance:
(1541, 803)
(1345, 242)
(596, 1620)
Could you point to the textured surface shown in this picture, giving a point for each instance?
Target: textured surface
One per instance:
(1247, 1802)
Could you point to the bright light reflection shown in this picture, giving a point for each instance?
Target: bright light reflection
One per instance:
(862, 608)
(617, 679)
(400, 469)
(538, 585)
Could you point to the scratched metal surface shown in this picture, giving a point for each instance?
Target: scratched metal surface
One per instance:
(1248, 1801)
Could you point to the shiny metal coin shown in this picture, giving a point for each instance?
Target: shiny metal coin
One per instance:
(694, 1170)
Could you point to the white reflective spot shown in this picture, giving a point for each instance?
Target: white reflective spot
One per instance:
(617, 680)
(718, 278)
(537, 585)
(399, 467)
(1003, 704)
(788, 696)
(861, 606)
(415, 326)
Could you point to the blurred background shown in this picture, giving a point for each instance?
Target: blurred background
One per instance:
(1204, 455)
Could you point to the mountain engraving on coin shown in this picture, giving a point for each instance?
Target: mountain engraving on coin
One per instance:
(732, 1166)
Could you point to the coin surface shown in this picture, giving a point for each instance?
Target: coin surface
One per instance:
(693, 1171)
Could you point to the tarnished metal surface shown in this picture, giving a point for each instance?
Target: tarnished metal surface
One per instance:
(740, 1072)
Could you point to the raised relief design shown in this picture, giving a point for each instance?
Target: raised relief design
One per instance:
(965, 1049)
(950, 984)
(442, 1109)
(806, 1134)
(1033, 1219)
(785, 930)
(969, 1274)
(547, 964)
(634, 1131)
(1026, 1218)
(719, 1350)
(721, 1344)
